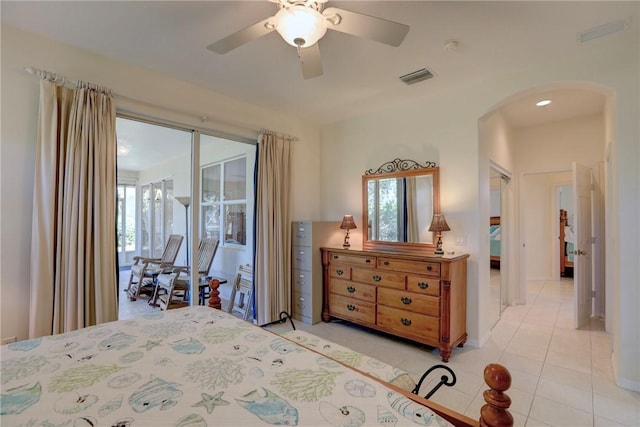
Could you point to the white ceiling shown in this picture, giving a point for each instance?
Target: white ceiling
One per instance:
(495, 38)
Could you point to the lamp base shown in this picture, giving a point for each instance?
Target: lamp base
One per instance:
(346, 244)
(439, 250)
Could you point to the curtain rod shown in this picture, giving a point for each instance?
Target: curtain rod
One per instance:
(280, 134)
(62, 80)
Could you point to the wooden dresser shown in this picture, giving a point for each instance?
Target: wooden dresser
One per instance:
(421, 298)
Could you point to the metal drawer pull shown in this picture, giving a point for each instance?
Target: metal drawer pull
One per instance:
(406, 322)
(423, 285)
(405, 300)
(339, 272)
(368, 261)
(386, 263)
(429, 268)
(351, 289)
(351, 307)
(377, 278)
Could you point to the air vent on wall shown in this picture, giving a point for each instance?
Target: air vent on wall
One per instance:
(604, 30)
(416, 76)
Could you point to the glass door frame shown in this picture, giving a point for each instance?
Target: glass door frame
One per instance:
(193, 226)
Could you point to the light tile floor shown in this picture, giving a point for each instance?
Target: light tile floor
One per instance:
(560, 376)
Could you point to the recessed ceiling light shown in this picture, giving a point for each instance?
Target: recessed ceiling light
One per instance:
(123, 150)
(543, 102)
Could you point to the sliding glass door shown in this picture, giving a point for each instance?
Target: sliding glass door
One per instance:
(188, 182)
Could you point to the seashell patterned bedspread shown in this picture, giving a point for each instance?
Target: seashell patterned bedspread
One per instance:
(193, 366)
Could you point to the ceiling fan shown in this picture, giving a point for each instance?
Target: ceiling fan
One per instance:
(301, 23)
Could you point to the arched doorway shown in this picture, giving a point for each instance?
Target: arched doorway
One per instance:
(536, 141)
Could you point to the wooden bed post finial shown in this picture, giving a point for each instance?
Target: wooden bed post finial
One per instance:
(495, 413)
(214, 299)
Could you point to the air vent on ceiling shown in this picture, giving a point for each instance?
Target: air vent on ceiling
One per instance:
(416, 76)
(604, 30)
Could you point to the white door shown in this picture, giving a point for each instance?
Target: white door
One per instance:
(582, 283)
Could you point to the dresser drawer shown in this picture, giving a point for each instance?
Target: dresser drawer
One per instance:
(350, 308)
(423, 285)
(302, 257)
(301, 233)
(352, 289)
(340, 271)
(378, 277)
(403, 300)
(352, 259)
(410, 266)
(406, 323)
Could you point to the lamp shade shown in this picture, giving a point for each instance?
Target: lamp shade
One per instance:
(185, 200)
(348, 223)
(438, 223)
(300, 26)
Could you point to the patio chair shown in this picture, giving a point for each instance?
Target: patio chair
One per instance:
(169, 293)
(145, 270)
(243, 285)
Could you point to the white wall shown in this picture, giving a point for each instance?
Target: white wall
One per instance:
(541, 223)
(443, 126)
(551, 148)
(19, 117)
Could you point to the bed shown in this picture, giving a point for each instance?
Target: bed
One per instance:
(495, 235)
(567, 242)
(199, 366)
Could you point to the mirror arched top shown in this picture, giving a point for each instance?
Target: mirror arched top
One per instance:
(398, 202)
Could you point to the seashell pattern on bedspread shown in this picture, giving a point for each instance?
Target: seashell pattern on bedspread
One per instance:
(193, 366)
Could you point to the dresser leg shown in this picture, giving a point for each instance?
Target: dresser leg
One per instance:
(325, 314)
(445, 354)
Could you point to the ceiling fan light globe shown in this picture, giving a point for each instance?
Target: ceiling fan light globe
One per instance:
(300, 26)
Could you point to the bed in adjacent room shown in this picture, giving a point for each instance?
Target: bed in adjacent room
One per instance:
(495, 235)
(567, 242)
(198, 366)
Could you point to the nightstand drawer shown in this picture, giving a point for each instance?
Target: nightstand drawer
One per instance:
(378, 277)
(403, 300)
(353, 290)
(350, 308)
(410, 266)
(409, 324)
(423, 285)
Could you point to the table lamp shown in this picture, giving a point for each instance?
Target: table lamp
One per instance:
(438, 225)
(347, 224)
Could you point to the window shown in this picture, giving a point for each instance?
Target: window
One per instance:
(156, 217)
(224, 201)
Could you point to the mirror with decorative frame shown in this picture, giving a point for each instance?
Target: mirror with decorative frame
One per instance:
(398, 202)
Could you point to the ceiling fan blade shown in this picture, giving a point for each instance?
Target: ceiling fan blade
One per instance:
(310, 61)
(357, 24)
(243, 36)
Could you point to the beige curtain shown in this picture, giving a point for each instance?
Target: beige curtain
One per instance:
(73, 256)
(272, 270)
(413, 231)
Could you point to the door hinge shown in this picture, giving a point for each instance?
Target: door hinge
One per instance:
(593, 240)
(593, 294)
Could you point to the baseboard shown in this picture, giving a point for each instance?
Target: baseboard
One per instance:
(627, 384)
